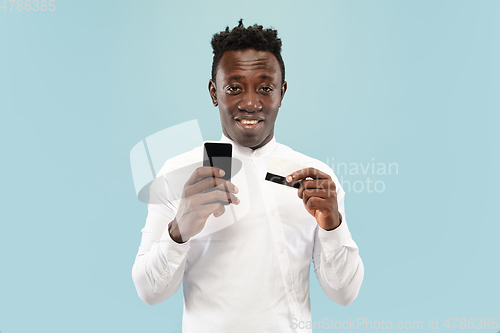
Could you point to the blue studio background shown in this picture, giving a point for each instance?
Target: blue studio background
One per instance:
(409, 84)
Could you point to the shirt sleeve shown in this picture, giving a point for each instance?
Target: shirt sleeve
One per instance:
(337, 263)
(159, 265)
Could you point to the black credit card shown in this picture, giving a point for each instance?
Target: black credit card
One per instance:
(281, 180)
(278, 170)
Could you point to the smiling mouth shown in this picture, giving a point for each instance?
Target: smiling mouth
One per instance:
(249, 123)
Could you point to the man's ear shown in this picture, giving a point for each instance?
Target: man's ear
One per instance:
(283, 90)
(213, 92)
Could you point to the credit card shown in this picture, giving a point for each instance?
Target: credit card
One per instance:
(278, 170)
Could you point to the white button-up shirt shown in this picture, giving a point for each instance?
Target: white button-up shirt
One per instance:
(248, 270)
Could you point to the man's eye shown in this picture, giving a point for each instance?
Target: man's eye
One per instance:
(232, 89)
(267, 89)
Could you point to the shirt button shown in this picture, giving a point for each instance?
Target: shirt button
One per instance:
(179, 253)
(272, 213)
(329, 264)
(257, 154)
(291, 287)
(282, 250)
(168, 276)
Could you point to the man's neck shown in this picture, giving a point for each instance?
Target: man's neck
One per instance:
(269, 146)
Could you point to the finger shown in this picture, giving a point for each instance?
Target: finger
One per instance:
(321, 185)
(316, 203)
(218, 195)
(204, 172)
(204, 211)
(306, 194)
(211, 183)
(227, 187)
(214, 208)
(221, 210)
(306, 172)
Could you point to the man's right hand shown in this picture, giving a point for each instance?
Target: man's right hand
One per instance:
(202, 196)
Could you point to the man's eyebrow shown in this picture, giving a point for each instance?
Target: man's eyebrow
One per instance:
(235, 77)
(239, 77)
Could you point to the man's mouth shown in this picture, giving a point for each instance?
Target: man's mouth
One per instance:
(249, 124)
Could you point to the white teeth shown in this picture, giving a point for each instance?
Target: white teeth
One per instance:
(248, 122)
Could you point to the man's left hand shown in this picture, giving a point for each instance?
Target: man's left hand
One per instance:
(319, 195)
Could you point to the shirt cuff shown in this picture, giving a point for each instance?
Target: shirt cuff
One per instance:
(336, 238)
(173, 252)
(339, 256)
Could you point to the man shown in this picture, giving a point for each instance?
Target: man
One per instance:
(252, 275)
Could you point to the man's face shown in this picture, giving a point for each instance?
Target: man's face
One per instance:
(248, 91)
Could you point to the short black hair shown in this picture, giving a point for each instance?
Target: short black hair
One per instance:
(251, 37)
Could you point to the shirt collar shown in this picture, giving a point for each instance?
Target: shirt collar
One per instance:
(265, 150)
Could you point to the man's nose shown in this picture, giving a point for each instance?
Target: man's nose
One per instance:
(250, 103)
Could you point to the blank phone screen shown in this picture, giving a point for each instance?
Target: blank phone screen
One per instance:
(218, 155)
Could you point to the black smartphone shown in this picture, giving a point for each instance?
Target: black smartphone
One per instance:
(218, 155)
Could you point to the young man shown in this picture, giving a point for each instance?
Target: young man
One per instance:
(252, 274)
